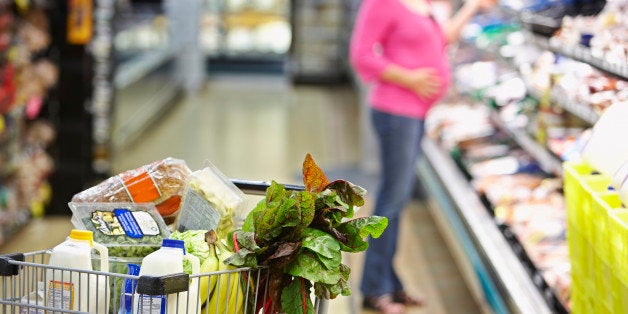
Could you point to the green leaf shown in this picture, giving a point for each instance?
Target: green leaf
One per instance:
(320, 242)
(358, 229)
(342, 287)
(243, 258)
(305, 202)
(309, 266)
(295, 298)
(275, 192)
(324, 245)
(246, 240)
(249, 222)
(350, 194)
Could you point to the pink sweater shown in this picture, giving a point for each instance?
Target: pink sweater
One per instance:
(387, 32)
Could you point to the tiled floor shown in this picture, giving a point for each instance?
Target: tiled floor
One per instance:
(260, 128)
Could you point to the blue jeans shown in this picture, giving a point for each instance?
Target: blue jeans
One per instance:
(399, 141)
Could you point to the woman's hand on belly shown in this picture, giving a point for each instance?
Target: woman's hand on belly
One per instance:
(424, 82)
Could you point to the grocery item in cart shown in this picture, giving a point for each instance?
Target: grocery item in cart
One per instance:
(620, 182)
(161, 183)
(211, 202)
(300, 236)
(165, 261)
(605, 150)
(126, 298)
(126, 229)
(69, 290)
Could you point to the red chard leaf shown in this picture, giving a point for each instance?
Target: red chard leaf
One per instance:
(314, 178)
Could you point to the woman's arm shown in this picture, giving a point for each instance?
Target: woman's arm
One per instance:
(455, 25)
(370, 29)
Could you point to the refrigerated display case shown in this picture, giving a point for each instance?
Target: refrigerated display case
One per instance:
(246, 35)
(318, 52)
(565, 90)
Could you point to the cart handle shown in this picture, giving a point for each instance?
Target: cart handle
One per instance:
(259, 187)
(163, 285)
(6, 267)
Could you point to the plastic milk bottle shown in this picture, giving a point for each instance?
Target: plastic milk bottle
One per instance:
(69, 289)
(165, 261)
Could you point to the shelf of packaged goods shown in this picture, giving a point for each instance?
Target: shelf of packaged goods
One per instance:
(580, 110)
(548, 161)
(508, 285)
(583, 111)
(582, 54)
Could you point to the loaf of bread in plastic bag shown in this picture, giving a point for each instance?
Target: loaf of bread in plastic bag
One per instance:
(161, 183)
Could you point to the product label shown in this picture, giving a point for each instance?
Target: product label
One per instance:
(147, 224)
(122, 221)
(140, 185)
(33, 298)
(152, 304)
(128, 223)
(60, 295)
(197, 213)
(30, 310)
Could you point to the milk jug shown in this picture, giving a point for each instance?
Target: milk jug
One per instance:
(69, 289)
(165, 261)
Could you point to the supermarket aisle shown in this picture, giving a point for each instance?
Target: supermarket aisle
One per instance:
(260, 128)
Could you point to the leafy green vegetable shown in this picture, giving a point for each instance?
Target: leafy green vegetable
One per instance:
(296, 297)
(194, 242)
(309, 266)
(324, 245)
(300, 237)
(325, 291)
(282, 215)
(359, 228)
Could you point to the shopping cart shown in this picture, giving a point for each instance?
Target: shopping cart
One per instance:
(23, 278)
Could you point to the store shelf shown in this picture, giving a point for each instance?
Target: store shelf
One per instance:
(548, 162)
(509, 284)
(138, 67)
(583, 111)
(582, 54)
(580, 110)
(26, 135)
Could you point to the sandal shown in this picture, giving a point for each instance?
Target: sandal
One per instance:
(383, 304)
(407, 300)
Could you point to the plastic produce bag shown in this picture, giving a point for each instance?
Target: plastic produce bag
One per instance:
(211, 201)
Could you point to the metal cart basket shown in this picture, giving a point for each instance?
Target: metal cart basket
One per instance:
(25, 279)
